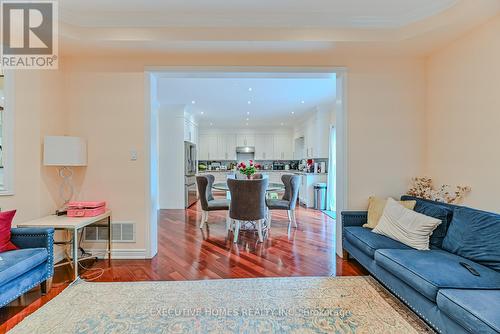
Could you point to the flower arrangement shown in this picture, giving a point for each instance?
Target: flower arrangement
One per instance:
(248, 170)
(422, 187)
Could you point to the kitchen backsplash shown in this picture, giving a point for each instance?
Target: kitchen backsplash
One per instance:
(266, 164)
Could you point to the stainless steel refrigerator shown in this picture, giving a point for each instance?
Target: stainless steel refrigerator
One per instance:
(190, 193)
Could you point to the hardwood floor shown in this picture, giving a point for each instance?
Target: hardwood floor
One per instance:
(187, 253)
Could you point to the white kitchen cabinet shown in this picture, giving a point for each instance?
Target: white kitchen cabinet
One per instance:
(306, 190)
(317, 136)
(227, 147)
(283, 147)
(208, 147)
(245, 140)
(264, 147)
(190, 131)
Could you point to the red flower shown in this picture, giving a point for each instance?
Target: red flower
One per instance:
(258, 166)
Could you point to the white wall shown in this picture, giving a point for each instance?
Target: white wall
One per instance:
(105, 102)
(463, 115)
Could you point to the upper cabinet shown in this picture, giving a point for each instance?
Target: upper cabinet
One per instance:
(227, 147)
(209, 147)
(283, 147)
(245, 140)
(317, 136)
(190, 131)
(222, 146)
(264, 147)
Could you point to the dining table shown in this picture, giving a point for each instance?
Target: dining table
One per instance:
(276, 187)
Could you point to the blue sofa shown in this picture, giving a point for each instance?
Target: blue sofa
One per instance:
(433, 283)
(32, 264)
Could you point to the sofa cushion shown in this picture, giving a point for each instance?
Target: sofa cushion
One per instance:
(440, 212)
(475, 310)
(368, 242)
(17, 262)
(429, 271)
(475, 235)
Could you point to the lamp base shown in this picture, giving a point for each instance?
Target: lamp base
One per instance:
(61, 212)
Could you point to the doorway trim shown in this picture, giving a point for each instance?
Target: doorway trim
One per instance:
(151, 110)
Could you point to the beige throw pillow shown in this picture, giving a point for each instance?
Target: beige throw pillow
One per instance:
(376, 207)
(406, 226)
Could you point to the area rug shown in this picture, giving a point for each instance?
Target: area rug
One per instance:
(265, 305)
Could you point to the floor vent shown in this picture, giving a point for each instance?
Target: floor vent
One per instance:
(120, 232)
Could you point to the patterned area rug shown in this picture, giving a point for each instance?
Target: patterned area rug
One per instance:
(266, 305)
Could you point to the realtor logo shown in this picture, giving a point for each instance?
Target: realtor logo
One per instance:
(29, 34)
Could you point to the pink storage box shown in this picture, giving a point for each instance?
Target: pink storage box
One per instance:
(86, 209)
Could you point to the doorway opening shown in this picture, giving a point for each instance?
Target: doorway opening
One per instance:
(186, 120)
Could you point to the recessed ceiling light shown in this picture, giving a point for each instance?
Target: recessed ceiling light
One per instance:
(193, 102)
(248, 112)
(249, 102)
(250, 89)
(303, 102)
(248, 119)
(202, 112)
(293, 112)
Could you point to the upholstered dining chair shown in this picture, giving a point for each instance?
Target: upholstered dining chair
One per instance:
(289, 200)
(207, 200)
(248, 204)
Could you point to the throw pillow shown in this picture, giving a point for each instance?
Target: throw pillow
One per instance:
(406, 226)
(475, 235)
(5, 226)
(437, 211)
(376, 208)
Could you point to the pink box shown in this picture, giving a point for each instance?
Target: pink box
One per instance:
(86, 209)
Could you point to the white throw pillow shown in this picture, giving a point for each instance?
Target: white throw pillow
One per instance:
(406, 226)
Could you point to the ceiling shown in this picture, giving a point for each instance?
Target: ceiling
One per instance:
(224, 102)
(244, 13)
(415, 27)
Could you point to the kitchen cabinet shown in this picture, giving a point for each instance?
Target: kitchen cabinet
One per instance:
(306, 190)
(209, 147)
(317, 137)
(283, 147)
(264, 147)
(245, 140)
(190, 132)
(227, 147)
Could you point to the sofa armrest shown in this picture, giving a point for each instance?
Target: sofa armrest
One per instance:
(33, 237)
(354, 218)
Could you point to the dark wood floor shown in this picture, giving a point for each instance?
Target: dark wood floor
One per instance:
(187, 253)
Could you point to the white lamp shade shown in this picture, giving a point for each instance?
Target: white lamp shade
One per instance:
(64, 151)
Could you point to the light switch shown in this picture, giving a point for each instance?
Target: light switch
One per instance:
(133, 155)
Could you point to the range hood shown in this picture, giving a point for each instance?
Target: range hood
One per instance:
(245, 149)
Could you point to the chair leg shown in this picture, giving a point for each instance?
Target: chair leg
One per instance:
(229, 222)
(204, 218)
(259, 230)
(294, 219)
(290, 218)
(236, 230)
(269, 218)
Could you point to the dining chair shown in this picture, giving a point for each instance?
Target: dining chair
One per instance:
(289, 200)
(207, 200)
(248, 204)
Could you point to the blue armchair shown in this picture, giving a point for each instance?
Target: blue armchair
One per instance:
(32, 264)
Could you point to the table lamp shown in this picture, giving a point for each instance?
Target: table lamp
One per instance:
(65, 152)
